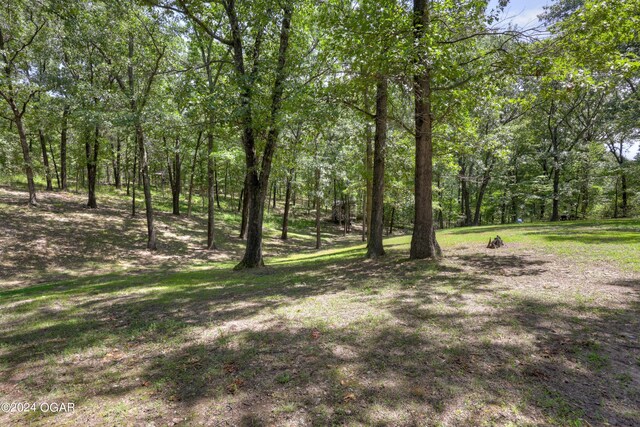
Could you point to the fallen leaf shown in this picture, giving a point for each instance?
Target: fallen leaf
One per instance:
(230, 368)
(349, 397)
(233, 387)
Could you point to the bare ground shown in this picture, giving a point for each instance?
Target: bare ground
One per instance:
(484, 337)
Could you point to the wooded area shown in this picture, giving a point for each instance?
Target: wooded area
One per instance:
(423, 115)
(319, 213)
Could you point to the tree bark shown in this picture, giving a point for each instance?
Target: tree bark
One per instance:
(226, 177)
(193, 169)
(368, 171)
(55, 164)
(440, 202)
(274, 195)
(245, 208)
(287, 200)
(211, 244)
(295, 187)
(423, 240)
(63, 148)
(91, 151)
(174, 168)
(45, 159)
(465, 207)
(28, 168)
(374, 245)
(481, 191)
(133, 178)
(211, 173)
(555, 213)
(146, 185)
(623, 179)
(615, 202)
(345, 205)
(216, 182)
(117, 175)
(364, 216)
(317, 203)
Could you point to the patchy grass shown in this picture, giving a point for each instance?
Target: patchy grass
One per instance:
(606, 241)
(540, 332)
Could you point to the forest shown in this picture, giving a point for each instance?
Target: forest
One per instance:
(324, 106)
(189, 172)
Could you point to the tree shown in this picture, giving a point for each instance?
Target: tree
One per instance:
(22, 25)
(423, 241)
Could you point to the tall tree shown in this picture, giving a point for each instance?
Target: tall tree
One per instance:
(423, 241)
(22, 25)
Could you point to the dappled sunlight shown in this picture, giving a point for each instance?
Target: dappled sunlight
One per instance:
(517, 335)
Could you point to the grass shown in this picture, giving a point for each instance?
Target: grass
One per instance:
(541, 332)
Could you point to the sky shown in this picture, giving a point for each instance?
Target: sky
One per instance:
(523, 13)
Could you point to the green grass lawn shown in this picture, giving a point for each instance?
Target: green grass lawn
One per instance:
(541, 332)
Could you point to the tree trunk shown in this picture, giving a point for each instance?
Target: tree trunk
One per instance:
(175, 178)
(440, 202)
(146, 184)
(615, 202)
(555, 214)
(55, 164)
(466, 196)
(393, 213)
(293, 196)
(256, 194)
(623, 179)
(259, 183)
(211, 244)
(481, 191)
(133, 180)
(216, 182)
(317, 203)
(345, 204)
(226, 177)
(45, 159)
(364, 216)
(245, 208)
(91, 151)
(287, 199)
(28, 168)
(374, 245)
(274, 195)
(117, 175)
(423, 240)
(193, 169)
(63, 148)
(368, 169)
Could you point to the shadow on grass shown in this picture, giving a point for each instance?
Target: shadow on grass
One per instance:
(413, 343)
(504, 265)
(62, 237)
